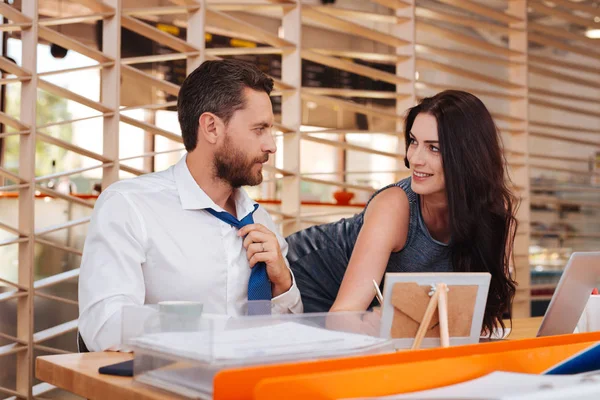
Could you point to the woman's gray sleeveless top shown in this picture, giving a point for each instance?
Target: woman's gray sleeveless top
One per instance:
(319, 255)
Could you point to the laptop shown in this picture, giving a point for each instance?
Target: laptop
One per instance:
(580, 277)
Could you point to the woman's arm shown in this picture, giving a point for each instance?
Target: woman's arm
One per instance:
(384, 231)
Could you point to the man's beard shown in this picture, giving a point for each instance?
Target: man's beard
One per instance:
(233, 166)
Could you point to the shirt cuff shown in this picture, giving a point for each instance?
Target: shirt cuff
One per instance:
(288, 302)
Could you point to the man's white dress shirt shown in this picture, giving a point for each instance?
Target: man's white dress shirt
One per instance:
(150, 240)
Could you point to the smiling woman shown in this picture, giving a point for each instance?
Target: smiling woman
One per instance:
(424, 152)
(454, 214)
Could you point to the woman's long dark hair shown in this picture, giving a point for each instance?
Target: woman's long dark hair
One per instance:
(480, 204)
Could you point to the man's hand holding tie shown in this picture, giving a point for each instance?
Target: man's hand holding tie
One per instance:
(262, 246)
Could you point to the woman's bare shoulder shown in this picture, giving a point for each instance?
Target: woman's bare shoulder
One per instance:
(391, 199)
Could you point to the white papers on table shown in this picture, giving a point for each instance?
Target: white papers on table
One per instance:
(497, 334)
(287, 340)
(513, 386)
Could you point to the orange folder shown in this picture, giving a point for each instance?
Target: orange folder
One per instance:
(395, 372)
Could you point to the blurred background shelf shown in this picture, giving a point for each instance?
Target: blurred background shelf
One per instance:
(565, 218)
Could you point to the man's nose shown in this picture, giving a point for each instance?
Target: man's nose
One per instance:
(270, 146)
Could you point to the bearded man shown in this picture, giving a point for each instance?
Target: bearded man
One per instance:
(191, 233)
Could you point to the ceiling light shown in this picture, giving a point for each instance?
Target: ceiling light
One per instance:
(593, 33)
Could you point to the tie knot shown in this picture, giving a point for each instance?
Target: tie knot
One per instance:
(231, 220)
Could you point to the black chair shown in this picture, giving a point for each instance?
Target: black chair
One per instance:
(81, 347)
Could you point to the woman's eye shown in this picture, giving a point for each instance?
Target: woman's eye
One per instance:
(435, 149)
(412, 141)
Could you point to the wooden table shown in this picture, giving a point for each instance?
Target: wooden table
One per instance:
(524, 328)
(78, 373)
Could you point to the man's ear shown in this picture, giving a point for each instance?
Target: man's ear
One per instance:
(210, 127)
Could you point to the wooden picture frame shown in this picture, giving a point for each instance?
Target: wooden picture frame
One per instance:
(407, 295)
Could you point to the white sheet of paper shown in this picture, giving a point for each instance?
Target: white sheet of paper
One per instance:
(509, 386)
(497, 334)
(275, 341)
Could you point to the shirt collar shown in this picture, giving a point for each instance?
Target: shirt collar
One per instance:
(192, 196)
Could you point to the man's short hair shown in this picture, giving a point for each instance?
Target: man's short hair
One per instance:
(217, 87)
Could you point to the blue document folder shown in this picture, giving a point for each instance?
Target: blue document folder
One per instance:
(586, 360)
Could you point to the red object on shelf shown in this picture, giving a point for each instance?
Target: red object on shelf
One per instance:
(595, 291)
(342, 197)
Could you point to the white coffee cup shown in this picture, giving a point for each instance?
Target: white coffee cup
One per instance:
(191, 308)
(180, 315)
(590, 318)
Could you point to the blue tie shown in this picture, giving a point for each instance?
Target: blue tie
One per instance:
(259, 286)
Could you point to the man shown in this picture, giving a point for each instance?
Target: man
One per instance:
(174, 235)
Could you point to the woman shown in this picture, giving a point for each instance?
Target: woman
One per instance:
(454, 214)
